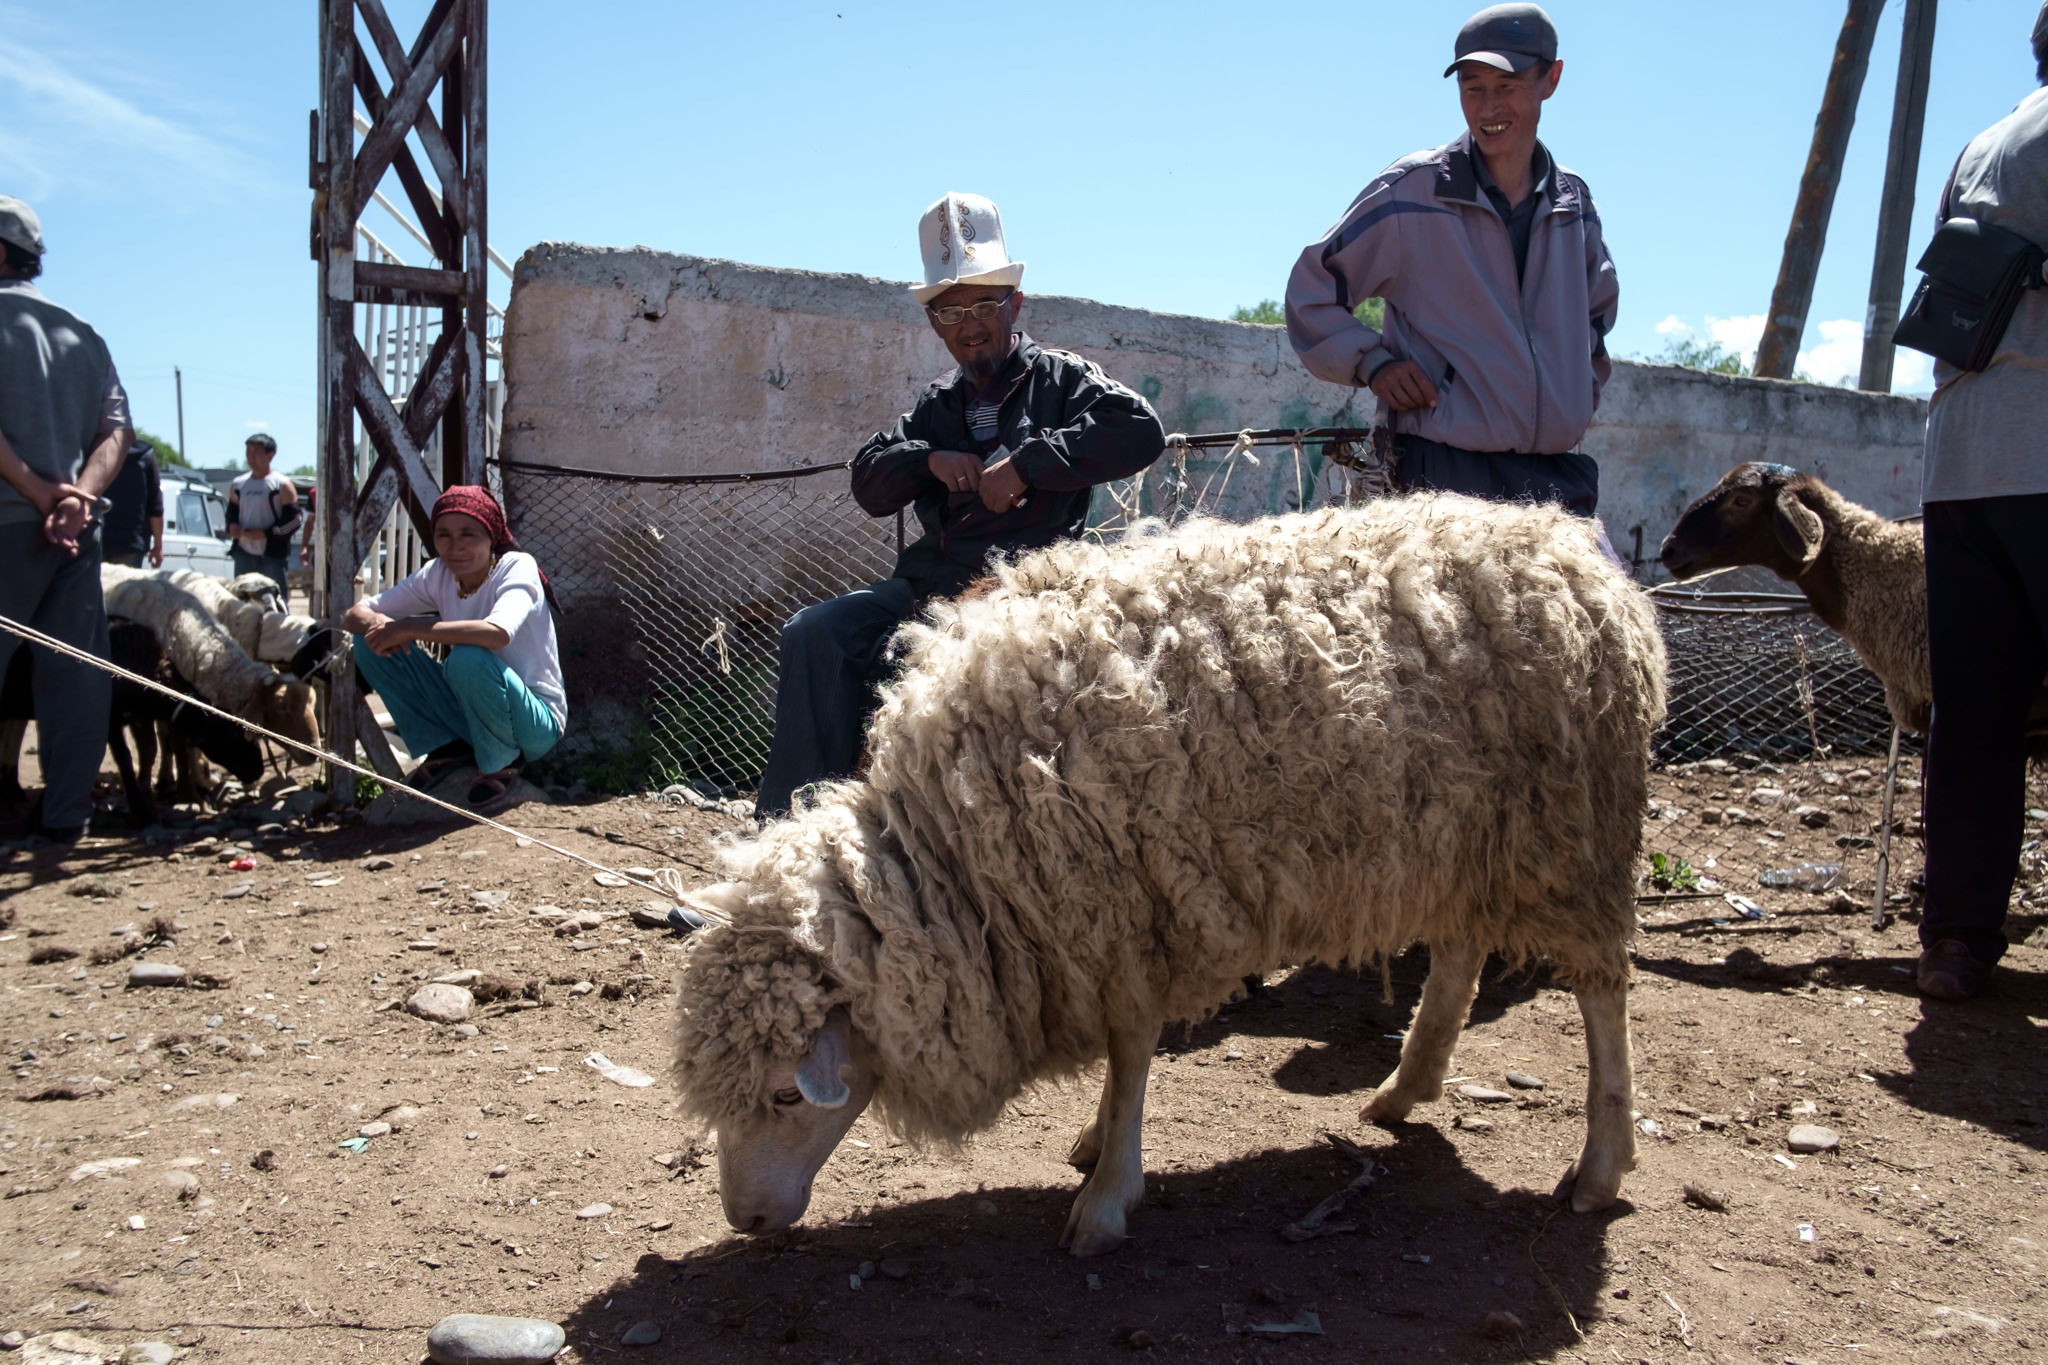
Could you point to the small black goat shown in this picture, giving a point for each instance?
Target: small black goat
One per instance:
(134, 709)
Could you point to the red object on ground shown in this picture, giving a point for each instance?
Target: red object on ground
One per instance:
(242, 865)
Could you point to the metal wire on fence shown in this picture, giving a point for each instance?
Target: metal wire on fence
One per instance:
(698, 573)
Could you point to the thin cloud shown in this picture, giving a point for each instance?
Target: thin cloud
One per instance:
(57, 127)
(1837, 358)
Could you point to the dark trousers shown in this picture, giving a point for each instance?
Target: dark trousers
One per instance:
(831, 663)
(132, 559)
(1987, 635)
(1571, 479)
(59, 594)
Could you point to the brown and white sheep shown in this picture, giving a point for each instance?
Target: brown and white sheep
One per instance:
(1109, 789)
(1865, 576)
(201, 649)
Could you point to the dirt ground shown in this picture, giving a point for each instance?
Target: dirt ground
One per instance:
(238, 1224)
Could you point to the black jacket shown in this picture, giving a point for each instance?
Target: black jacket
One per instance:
(1066, 424)
(137, 494)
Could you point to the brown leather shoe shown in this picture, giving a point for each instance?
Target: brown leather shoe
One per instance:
(1948, 972)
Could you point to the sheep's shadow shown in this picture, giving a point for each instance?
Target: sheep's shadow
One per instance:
(1954, 1066)
(1352, 1028)
(1437, 1248)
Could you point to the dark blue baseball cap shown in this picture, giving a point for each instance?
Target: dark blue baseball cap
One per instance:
(1510, 37)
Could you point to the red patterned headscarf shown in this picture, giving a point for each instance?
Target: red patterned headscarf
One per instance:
(473, 500)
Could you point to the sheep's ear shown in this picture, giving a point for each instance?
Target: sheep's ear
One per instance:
(1798, 527)
(818, 1075)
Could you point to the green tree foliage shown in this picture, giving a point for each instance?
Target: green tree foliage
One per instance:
(1694, 354)
(166, 453)
(1269, 313)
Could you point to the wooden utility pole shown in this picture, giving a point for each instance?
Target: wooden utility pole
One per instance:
(450, 392)
(1895, 209)
(1785, 324)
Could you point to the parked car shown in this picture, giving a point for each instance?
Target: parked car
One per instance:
(195, 525)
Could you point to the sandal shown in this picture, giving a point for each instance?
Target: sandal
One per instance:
(490, 786)
(439, 763)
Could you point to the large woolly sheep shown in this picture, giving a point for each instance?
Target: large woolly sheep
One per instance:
(1865, 576)
(203, 651)
(1104, 792)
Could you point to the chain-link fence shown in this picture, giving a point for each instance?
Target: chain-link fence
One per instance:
(673, 590)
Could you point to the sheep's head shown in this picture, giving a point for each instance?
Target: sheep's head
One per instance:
(1755, 515)
(767, 1054)
(288, 709)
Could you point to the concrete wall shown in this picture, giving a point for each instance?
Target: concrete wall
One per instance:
(639, 361)
(645, 362)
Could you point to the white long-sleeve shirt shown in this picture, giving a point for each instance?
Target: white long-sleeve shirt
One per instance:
(511, 599)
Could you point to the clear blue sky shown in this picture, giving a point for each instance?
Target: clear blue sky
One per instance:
(1170, 156)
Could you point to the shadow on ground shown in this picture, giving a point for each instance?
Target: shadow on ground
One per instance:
(1967, 1061)
(1437, 1249)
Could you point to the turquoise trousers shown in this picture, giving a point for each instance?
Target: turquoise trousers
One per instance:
(473, 697)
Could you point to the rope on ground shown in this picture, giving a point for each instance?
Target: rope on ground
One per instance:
(1550, 1284)
(669, 885)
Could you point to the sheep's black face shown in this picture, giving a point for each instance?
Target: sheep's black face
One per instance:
(1730, 525)
(768, 1157)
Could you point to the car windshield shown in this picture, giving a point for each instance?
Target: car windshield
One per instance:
(192, 518)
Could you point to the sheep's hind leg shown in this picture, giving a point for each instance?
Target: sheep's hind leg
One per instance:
(1097, 1221)
(1594, 1180)
(1432, 1035)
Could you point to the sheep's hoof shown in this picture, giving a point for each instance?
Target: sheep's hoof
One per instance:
(1588, 1192)
(1087, 1148)
(1386, 1108)
(1080, 1242)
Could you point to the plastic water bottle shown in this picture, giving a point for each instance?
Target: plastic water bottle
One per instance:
(1805, 877)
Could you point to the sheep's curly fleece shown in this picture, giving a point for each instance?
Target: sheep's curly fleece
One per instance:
(1128, 776)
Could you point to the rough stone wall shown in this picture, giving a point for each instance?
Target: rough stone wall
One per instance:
(639, 361)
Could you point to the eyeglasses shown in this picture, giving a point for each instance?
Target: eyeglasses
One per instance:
(983, 311)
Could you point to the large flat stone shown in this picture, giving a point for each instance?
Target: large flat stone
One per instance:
(477, 1338)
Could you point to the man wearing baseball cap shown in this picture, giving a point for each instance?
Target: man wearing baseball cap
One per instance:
(63, 430)
(1499, 291)
(999, 454)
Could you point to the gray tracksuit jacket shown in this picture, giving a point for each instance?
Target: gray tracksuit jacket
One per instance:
(1518, 364)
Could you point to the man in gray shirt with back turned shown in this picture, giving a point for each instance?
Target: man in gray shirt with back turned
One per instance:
(63, 428)
(1984, 492)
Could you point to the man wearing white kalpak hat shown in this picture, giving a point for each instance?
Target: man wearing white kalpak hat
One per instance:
(999, 455)
(64, 430)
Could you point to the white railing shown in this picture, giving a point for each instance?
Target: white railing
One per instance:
(397, 339)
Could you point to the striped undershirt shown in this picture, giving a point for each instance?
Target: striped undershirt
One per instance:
(981, 420)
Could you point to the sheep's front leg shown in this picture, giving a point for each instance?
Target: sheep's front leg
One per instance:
(1096, 1223)
(1594, 1179)
(1432, 1035)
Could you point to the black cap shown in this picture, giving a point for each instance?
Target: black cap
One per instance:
(1511, 37)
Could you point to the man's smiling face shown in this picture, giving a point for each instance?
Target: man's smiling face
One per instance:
(1502, 109)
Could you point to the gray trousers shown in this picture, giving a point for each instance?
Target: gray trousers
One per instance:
(42, 587)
